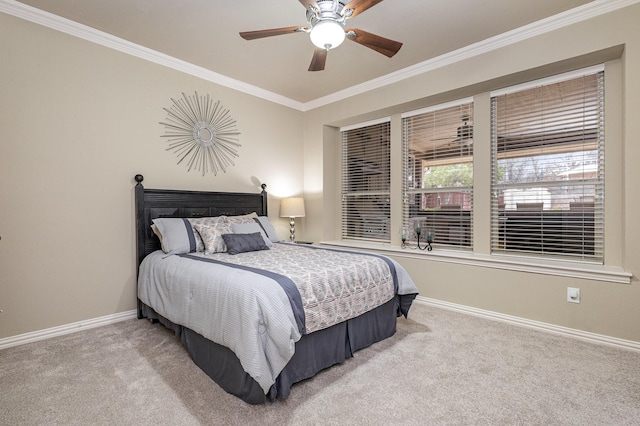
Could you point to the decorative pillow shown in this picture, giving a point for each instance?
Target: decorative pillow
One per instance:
(245, 218)
(212, 236)
(242, 243)
(250, 228)
(268, 228)
(210, 221)
(176, 235)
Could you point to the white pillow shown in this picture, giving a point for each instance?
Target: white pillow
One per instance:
(176, 235)
(268, 228)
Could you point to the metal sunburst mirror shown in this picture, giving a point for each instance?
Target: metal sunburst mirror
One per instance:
(201, 133)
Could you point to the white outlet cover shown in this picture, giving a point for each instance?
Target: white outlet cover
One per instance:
(573, 295)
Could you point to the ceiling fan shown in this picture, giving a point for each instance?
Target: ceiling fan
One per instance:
(326, 19)
(464, 133)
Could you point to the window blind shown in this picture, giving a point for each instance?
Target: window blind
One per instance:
(548, 169)
(438, 174)
(366, 182)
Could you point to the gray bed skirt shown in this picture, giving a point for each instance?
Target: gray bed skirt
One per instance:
(314, 352)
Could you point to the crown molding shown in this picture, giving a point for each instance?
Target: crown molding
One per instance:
(564, 19)
(55, 22)
(569, 17)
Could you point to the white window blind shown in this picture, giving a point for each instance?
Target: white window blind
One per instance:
(366, 181)
(548, 169)
(438, 174)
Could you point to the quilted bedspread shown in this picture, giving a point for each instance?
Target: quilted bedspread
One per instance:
(260, 303)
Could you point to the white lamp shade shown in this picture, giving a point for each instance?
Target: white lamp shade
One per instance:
(292, 207)
(327, 34)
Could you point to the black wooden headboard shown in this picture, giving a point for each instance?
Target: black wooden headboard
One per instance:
(155, 203)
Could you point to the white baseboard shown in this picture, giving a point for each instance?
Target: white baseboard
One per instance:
(550, 328)
(61, 330)
(542, 326)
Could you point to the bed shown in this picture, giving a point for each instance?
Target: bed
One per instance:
(253, 322)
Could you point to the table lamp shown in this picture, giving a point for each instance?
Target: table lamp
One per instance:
(292, 208)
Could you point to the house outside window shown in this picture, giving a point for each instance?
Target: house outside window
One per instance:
(366, 181)
(438, 174)
(548, 168)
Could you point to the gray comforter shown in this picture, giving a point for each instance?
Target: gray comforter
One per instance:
(258, 304)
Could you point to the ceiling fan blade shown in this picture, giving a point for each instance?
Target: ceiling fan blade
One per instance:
(308, 3)
(358, 6)
(380, 44)
(318, 60)
(252, 35)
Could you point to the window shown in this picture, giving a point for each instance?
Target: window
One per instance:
(366, 182)
(438, 173)
(548, 168)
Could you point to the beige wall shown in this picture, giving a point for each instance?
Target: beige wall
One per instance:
(77, 122)
(607, 308)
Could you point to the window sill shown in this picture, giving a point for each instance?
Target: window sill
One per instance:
(513, 263)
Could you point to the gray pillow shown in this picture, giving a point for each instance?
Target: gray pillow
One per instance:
(242, 243)
(268, 228)
(250, 228)
(175, 234)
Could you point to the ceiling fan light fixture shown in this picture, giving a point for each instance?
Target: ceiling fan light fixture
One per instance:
(326, 21)
(327, 34)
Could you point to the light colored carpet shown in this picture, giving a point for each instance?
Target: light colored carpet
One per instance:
(441, 367)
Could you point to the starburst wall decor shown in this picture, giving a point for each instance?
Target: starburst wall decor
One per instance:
(201, 133)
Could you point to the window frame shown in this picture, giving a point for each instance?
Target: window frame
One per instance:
(449, 224)
(373, 206)
(539, 231)
(612, 271)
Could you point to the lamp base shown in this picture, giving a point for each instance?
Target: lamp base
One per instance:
(292, 229)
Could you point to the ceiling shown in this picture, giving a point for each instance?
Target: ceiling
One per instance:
(205, 33)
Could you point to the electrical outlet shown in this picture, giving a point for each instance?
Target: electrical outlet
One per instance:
(573, 295)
